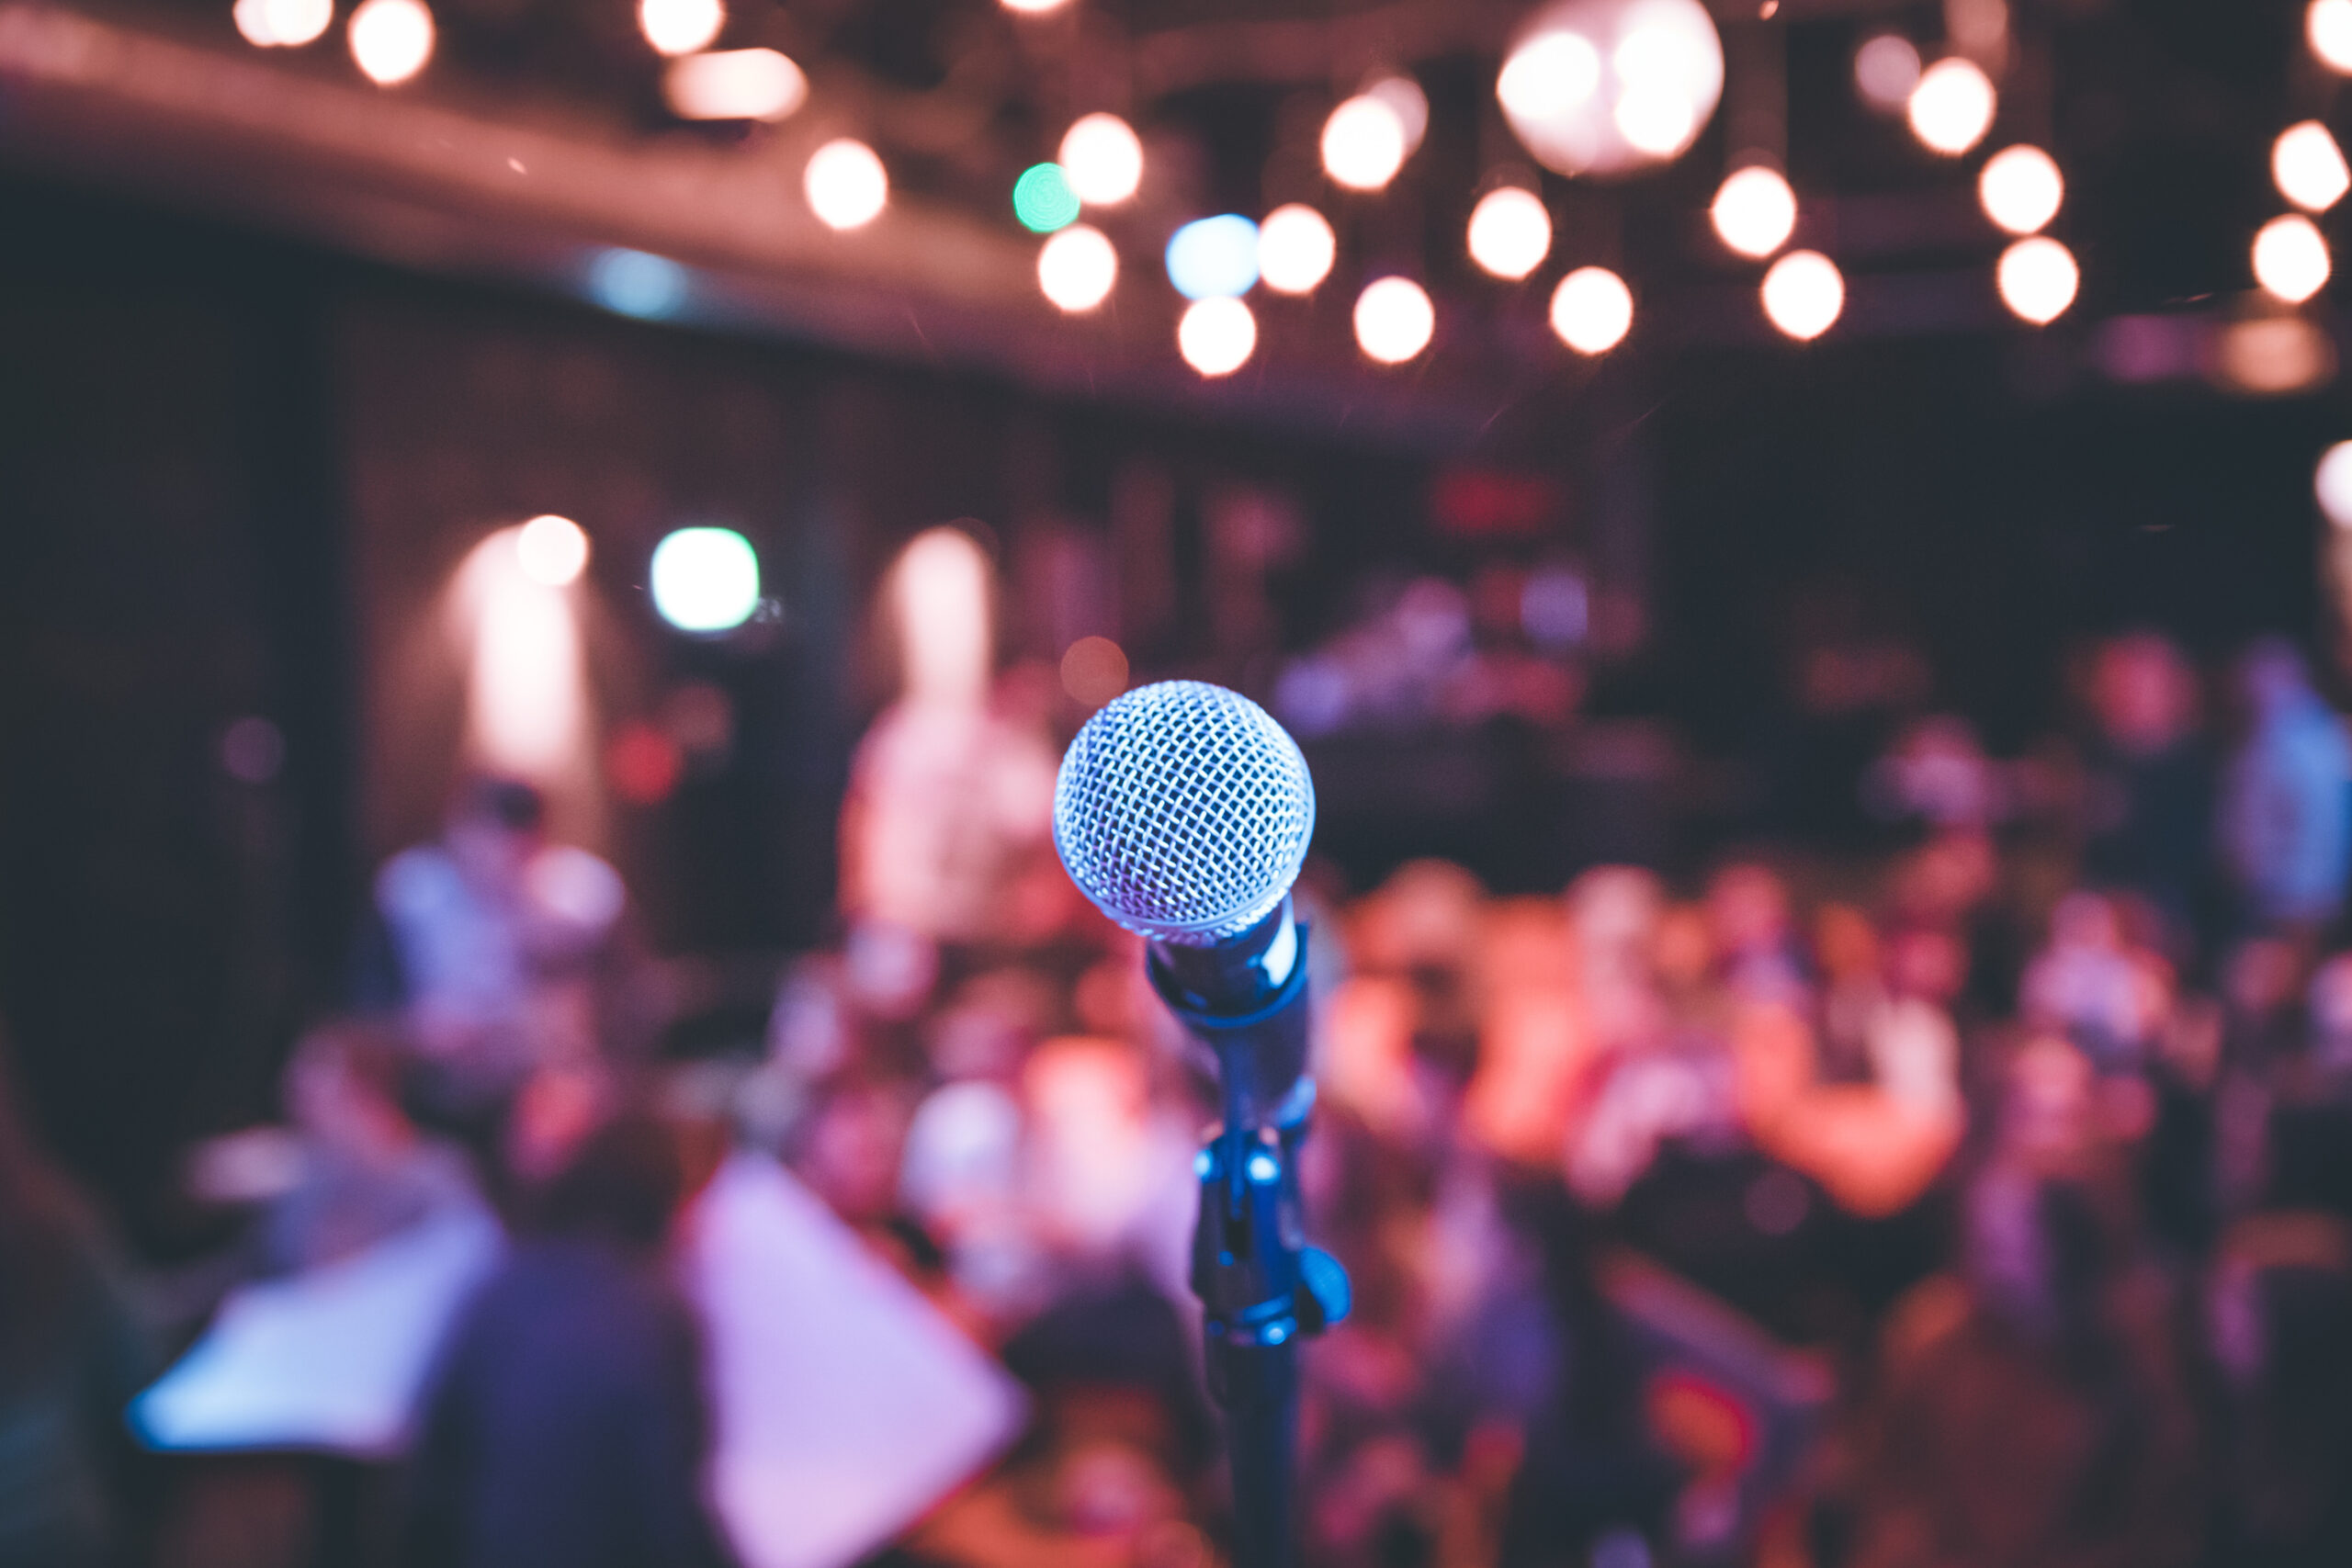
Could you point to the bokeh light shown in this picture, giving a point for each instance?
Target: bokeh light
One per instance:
(1043, 199)
(2021, 189)
(1805, 294)
(680, 27)
(1754, 211)
(845, 184)
(1608, 86)
(2328, 28)
(1886, 67)
(1296, 249)
(1034, 8)
(1078, 267)
(705, 579)
(2038, 278)
(735, 84)
(1214, 258)
(1952, 106)
(2290, 258)
(1394, 320)
(282, 24)
(2308, 166)
(1217, 336)
(1510, 232)
(391, 40)
(2332, 483)
(1095, 670)
(637, 283)
(1363, 143)
(1592, 310)
(552, 550)
(1103, 158)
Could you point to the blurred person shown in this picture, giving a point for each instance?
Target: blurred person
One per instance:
(1755, 938)
(567, 1427)
(502, 941)
(2090, 982)
(1937, 773)
(2147, 810)
(2279, 1320)
(72, 1352)
(2285, 821)
(2032, 1409)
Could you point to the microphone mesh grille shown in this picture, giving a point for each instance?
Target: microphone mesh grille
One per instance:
(1183, 810)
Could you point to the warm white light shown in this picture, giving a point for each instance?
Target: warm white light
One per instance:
(1101, 159)
(1951, 109)
(1034, 8)
(282, 24)
(1394, 320)
(2334, 484)
(940, 588)
(1754, 211)
(2021, 189)
(391, 39)
(2290, 258)
(552, 550)
(1363, 143)
(1411, 106)
(1592, 310)
(1885, 69)
(846, 185)
(1217, 336)
(1077, 268)
(1510, 232)
(705, 579)
(680, 27)
(2037, 279)
(2308, 166)
(526, 702)
(1295, 248)
(735, 84)
(1549, 75)
(1656, 120)
(1804, 294)
(2328, 26)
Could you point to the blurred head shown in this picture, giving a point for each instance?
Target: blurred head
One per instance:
(2086, 921)
(623, 1185)
(2038, 1252)
(2144, 694)
(495, 828)
(1845, 943)
(1926, 963)
(1748, 909)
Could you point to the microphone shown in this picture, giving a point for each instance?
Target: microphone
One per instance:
(1183, 811)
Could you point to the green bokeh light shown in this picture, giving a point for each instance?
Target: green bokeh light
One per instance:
(1043, 200)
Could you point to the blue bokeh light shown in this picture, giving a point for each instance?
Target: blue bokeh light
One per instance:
(1214, 258)
(634, 283)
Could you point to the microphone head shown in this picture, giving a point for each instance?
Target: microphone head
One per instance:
(1183, 810)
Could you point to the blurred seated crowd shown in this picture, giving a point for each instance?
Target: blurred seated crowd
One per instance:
(1987, 1200)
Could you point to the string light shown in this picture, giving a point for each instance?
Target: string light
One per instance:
(2308, 166)
(1952, 106)
(1217, 336)
(1077, 268)
(1214, 258)
(1103, 158)
(1886, 68)
(1754, 211)
(2332, 483)
(1363, 143)
(1296, 249)
(1394, 320)
(2290, 258)
(1043, 199)
(1034, 8)
(1805, 294)
(1510, 232)
(2037, 279)
(551, 551)
(1592, 310)
(2021, 189)
(735, 84)
(845, 184)
(1408, 103)
(680, 27)
(282, 24)
(2328, 26)
(391, 40)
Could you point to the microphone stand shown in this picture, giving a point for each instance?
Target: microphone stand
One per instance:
(1260, 1286)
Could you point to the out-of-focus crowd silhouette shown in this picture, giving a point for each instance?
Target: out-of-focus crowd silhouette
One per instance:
(1985, 1199)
